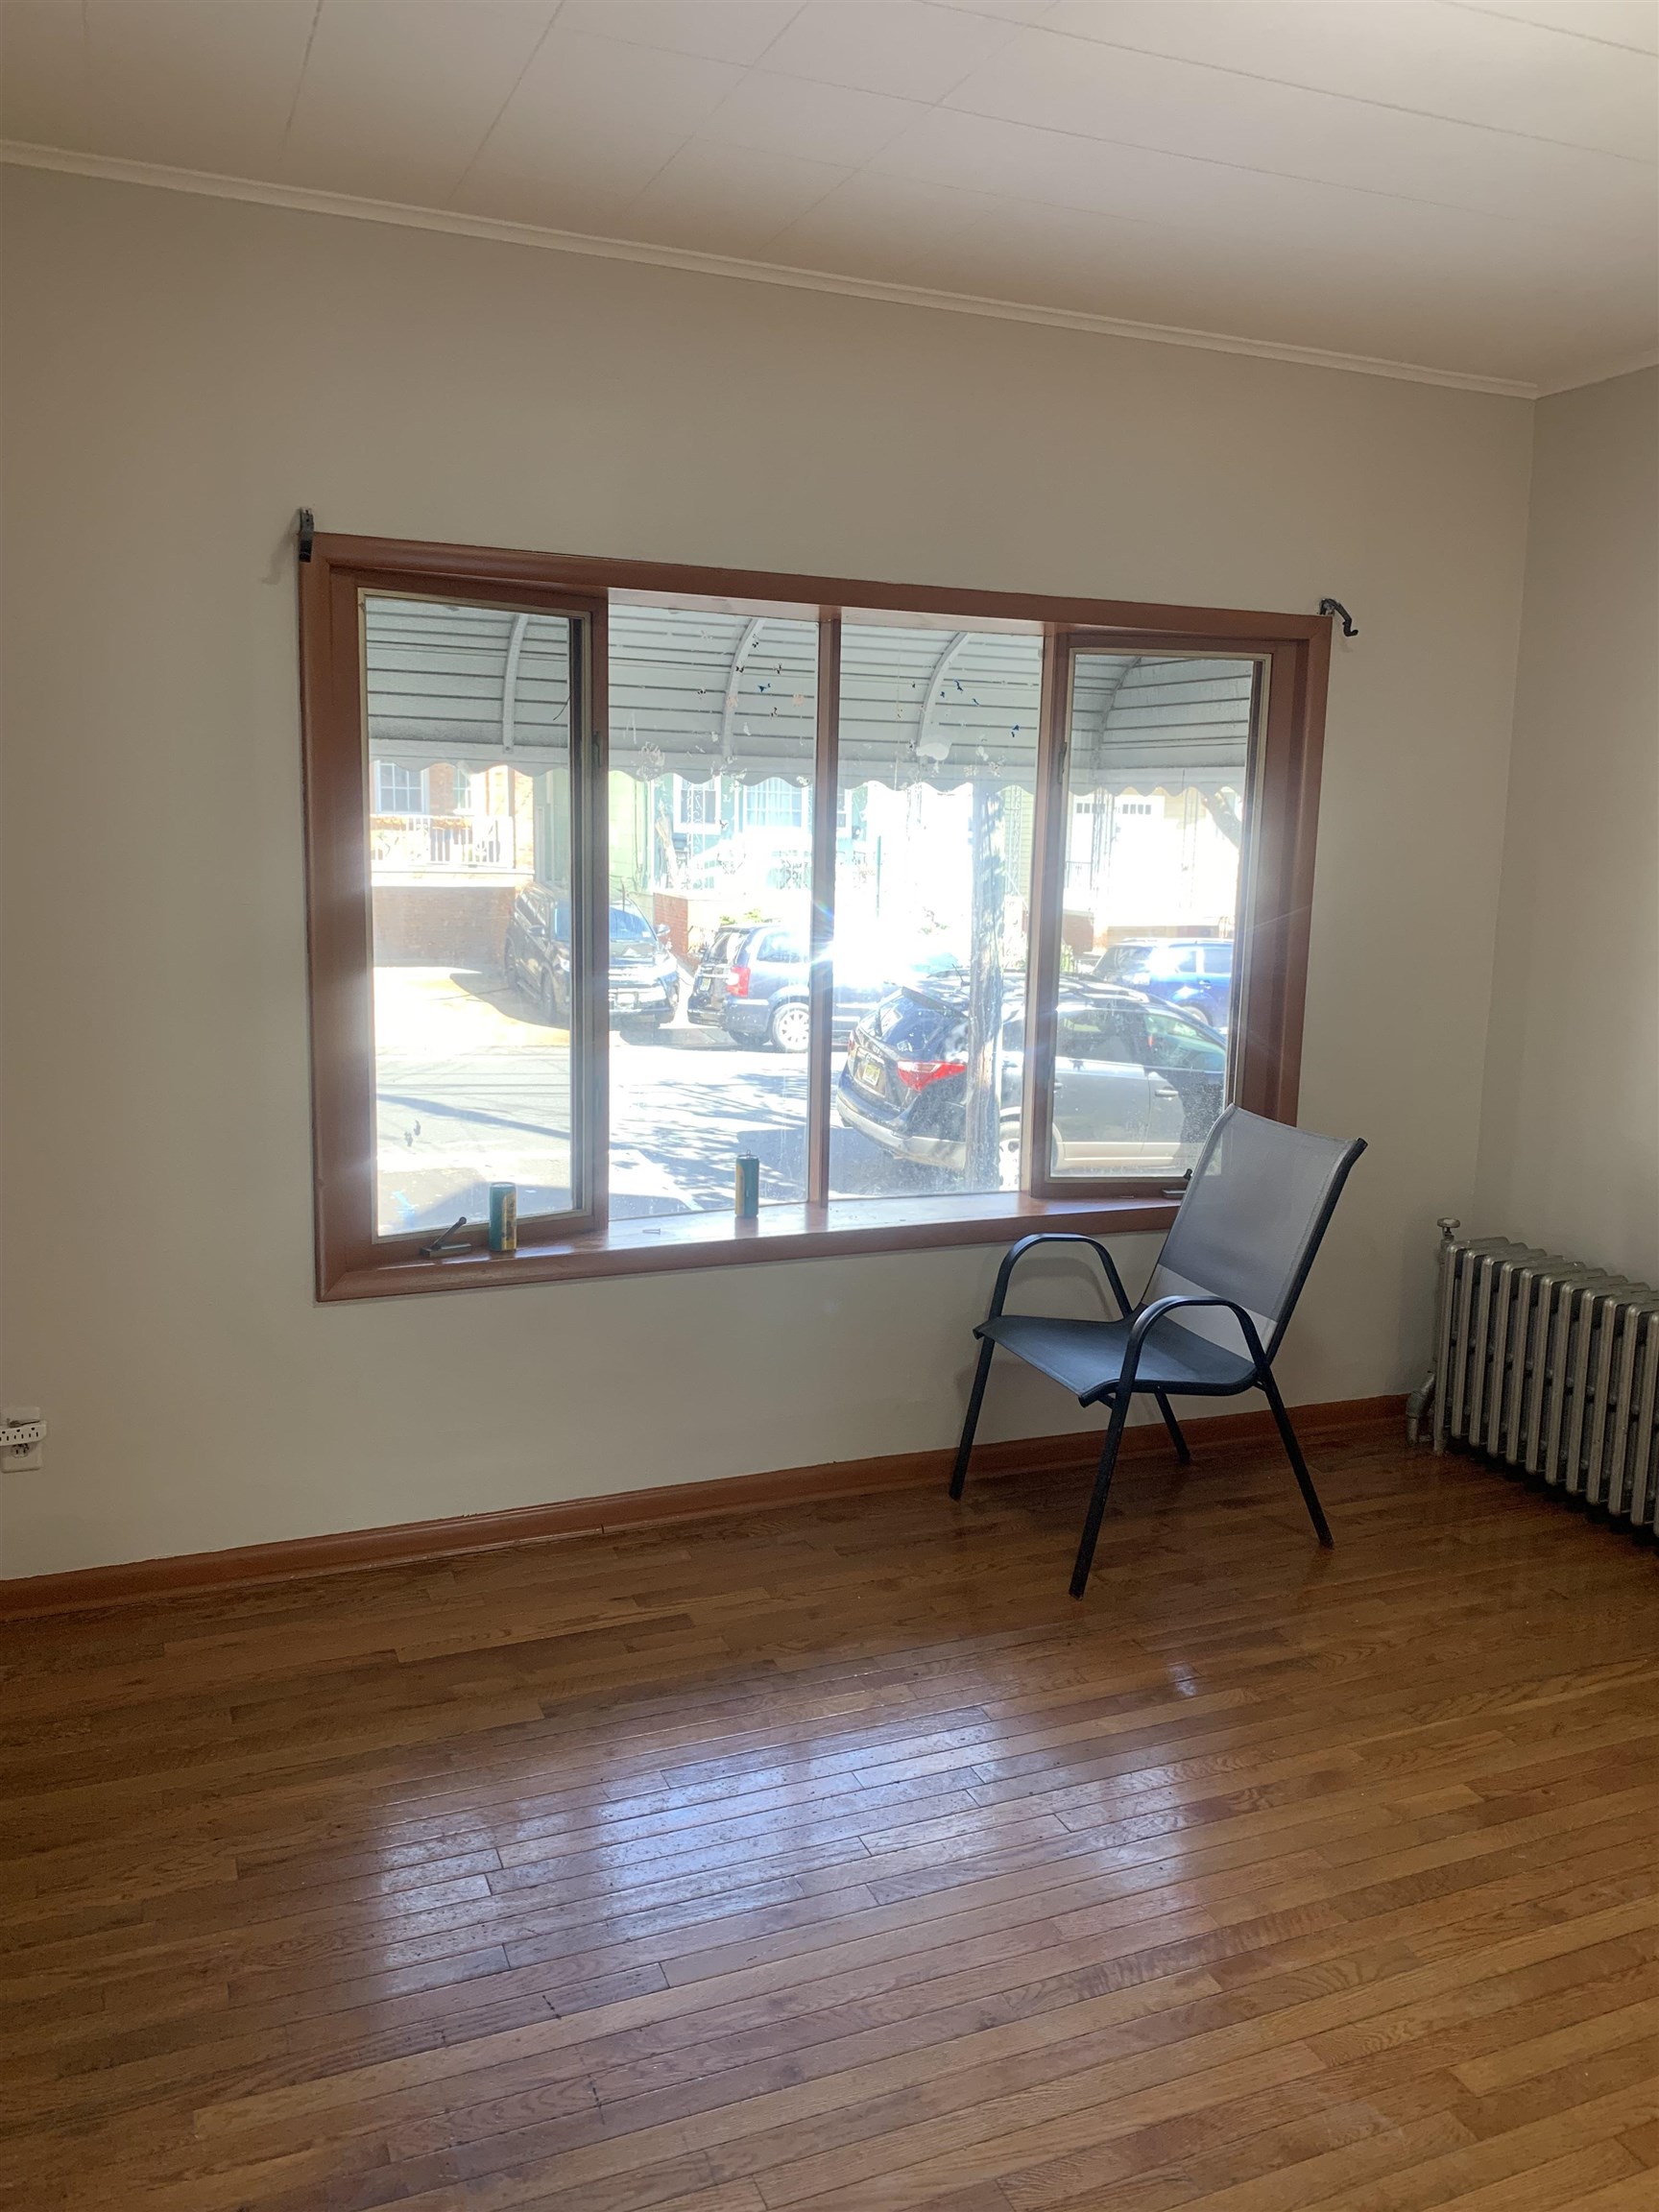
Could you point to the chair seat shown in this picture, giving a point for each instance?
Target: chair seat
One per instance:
(1087, 1356)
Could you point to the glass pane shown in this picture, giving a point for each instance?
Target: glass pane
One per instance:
(1156, 798)
(932, 895)
(712, 722)
(470, 868)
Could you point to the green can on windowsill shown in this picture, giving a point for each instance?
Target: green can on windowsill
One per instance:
(503, 1216)
(746, 1186)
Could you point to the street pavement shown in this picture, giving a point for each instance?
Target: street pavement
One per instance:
(472, 1088)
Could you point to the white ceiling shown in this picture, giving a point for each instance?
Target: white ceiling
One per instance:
(1463, 186)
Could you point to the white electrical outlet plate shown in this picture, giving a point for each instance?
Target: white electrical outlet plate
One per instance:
(22, 1438)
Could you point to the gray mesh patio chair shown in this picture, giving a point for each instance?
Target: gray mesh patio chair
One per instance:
(1215, 1310)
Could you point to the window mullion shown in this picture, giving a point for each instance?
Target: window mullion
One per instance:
(822, 1000)
(590, 1076)
(1047, 900)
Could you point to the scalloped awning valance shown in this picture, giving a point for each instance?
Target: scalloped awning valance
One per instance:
(702, 694)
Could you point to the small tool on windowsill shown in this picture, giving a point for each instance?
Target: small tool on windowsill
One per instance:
(442, 1244)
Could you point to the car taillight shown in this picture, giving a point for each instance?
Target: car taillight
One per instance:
(736, 982)
(917, 1075)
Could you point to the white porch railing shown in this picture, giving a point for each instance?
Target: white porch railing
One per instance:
(417, 841)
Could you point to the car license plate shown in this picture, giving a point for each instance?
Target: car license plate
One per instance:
(624, 997)
(866, 1073)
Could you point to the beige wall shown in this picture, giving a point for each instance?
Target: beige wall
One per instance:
(1569, 1129)
(182, 373)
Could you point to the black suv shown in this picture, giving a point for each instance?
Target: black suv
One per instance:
(753, 983)
(644, 976)
(1133, 1080)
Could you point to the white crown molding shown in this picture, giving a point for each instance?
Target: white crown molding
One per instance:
(303, 200)
(1603, 375)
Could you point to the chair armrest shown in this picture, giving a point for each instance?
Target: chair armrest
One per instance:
(1017, 1252)
(1149, 1316)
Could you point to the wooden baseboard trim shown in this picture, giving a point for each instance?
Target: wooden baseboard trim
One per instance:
(414, 1540)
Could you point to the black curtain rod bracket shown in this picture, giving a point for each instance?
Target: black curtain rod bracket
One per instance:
(308, 531)
(1350, 628)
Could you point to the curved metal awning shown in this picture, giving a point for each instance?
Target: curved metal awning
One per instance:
(703, 694)
(1145, 722)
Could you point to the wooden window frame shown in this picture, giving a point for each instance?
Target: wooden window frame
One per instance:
(1293, 651)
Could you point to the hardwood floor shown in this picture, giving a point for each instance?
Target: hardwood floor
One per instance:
(831, 1857)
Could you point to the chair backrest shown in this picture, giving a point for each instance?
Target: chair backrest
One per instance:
(1250, 1223)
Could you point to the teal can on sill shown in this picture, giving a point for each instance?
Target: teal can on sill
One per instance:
(503, 1216)
(746, 1186)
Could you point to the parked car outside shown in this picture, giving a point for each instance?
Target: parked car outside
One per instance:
(1133, 1080)
(1195, 972)
(645, 985)
(754, 983)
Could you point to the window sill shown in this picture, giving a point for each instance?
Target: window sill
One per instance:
(851, 1227)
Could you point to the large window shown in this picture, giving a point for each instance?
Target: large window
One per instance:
(1157, 757)
(712, 746)
(936, 764)
(463, 1095)
(949, 912)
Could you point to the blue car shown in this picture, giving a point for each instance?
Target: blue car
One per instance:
(1192, 972)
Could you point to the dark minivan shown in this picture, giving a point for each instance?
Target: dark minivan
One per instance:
(644, 976)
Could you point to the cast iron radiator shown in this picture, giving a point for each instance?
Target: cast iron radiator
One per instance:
(1551, 1366)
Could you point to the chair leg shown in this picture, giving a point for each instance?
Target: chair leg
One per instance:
(1102, 1484)
(976, 1399)
(1298, 1465)
(1174, 1428)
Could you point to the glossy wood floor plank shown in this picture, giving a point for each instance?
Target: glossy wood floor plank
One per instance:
(833, 1858)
